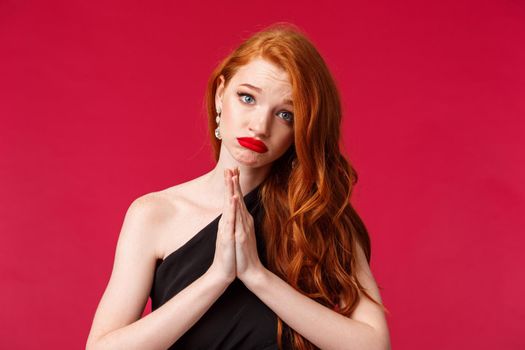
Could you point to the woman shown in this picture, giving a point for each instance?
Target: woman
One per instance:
(264, 251)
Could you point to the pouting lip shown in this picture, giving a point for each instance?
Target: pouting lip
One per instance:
(259, 144)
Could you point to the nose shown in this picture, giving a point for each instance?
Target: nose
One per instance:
(261, 123)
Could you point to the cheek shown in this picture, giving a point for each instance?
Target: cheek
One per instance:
(229, 112)
(229, 123)
(290, 142)
(233, 117)
(286, 140)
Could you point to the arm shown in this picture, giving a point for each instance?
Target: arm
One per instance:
(366, 330)
(117, 323)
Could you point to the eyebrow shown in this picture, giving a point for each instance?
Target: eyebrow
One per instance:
(259, 90)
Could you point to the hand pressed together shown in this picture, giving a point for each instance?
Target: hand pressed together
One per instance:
(248, 264)
(236, 245)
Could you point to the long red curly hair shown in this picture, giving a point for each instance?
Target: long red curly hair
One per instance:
(310, 227)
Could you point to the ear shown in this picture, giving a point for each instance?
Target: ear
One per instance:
(219, 92)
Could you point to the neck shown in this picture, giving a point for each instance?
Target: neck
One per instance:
(250, 175)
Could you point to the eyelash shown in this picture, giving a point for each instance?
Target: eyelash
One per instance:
(240, 94)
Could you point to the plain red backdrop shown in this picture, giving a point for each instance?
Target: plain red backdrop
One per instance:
(102, 101)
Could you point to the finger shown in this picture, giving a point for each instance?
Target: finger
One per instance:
(238, 220)
(239, 182)
(238, 192)
(240, 206)
(233, 179)
(229, 188)
(227, 206)
(230, 221)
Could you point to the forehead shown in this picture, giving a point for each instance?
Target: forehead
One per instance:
(264, 74)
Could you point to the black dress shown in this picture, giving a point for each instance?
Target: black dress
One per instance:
(237, 319)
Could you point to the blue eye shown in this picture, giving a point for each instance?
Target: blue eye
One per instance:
(290, 118)
(242, 95)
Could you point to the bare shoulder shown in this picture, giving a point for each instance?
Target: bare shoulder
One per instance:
(180, 211)
(152, 208)
(133, 270)
(153, 213)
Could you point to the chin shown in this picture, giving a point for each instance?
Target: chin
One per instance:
(251, 159)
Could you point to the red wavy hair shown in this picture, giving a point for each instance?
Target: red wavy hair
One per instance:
(310, 227)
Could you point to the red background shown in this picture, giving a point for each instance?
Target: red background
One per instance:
(101, 102)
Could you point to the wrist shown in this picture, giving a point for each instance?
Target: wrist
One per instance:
(218, 278)
(255, 279)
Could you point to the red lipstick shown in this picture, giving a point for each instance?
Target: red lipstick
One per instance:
(253, 144)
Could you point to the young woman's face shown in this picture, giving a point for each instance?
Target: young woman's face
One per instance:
(261, 113)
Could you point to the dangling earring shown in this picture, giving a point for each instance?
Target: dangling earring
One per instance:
(217, 120)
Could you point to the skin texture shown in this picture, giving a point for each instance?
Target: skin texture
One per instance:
(327, 329)
(158, 223)
(259, 115)
(247, 259)
(262, 114)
